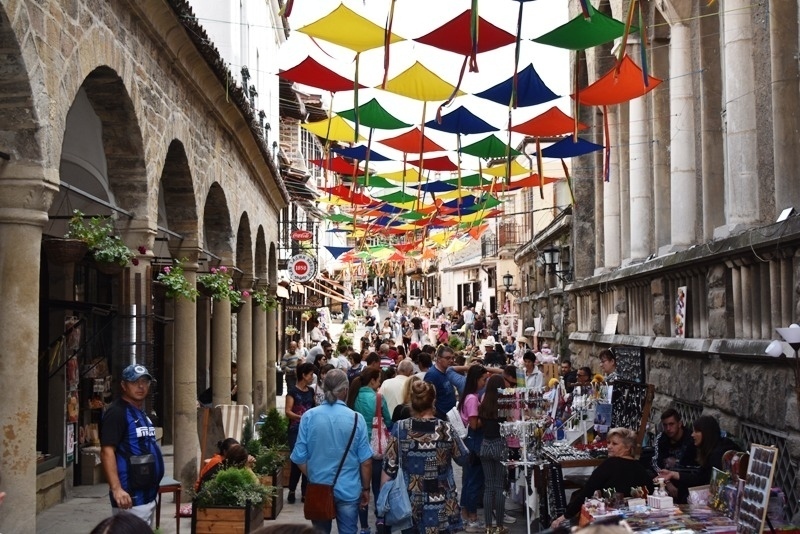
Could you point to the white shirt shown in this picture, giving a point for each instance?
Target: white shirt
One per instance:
(392, 391)
(535, 379)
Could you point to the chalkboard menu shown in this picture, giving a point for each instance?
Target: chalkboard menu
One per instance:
(630, 363)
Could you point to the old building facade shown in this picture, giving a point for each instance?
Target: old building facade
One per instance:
(124, 109)
(701, 171)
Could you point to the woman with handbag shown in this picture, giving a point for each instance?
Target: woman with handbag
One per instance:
(299, 399)
(365, 399)
(472, 481)
(425, 447)
(493, 452)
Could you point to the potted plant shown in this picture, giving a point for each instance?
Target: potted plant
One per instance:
(106, 248)
(230, 502)
(291, 331)
(218, 284)
(268, 467)
(175, 282)
(264, 300)
(274, 434)
(307, 315)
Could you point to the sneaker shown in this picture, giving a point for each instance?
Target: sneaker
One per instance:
(508, 520)
(364, 531)
(474, 526)
(291, 498)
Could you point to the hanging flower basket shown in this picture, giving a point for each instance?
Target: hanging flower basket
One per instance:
(158, 290)
(109, 268)
(236, 308)
(59, 251)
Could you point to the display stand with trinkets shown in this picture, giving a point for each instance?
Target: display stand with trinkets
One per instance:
(757, 486)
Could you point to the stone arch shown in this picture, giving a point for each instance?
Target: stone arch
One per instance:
(122, 139)
(260, 258)
(217, 232)
(19, 120)
(244, 248)
(177, 207)
(272, 264)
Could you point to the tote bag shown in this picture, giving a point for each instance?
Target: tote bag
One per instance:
(393, 502)
(380, 437)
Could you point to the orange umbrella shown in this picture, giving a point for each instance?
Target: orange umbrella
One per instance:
(550, 123)
(621, 84)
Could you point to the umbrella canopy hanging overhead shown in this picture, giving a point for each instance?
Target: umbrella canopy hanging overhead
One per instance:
(347, 194)
(517, 169)
(339, 165)
(333, 129)
(473, 180)
(456, 36)
(622, 83)
(551, 123)
(345, 27)
(461, 121)
(310, 72)
(437, 187)
(490, 147)
(584, 32)
(440, 164)
(570, 148)
(418, 82)
(411, 142)
(359, 152)
(531, 90)
(532, 180)
(373, 115)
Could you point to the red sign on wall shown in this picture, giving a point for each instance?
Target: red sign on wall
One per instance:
(302, 235)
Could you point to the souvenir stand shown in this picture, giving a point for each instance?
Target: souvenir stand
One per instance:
(631, 403)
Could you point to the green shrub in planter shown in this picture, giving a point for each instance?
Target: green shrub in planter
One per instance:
(234, 486)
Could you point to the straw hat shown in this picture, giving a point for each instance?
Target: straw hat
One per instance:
(523, 339)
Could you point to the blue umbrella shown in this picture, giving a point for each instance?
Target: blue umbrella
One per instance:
(531, 90)
(360, 153)
(566, 148)
(437, 187)
(461, 121)
(337, 251)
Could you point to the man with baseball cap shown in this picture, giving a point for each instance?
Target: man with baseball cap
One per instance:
(132, 460)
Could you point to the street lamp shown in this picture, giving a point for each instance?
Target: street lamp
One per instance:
(551, 258)
(508, 280)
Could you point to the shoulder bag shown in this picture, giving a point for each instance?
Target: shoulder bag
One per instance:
(454, 416)
(380, 437)
(319, 505)
(394, 504)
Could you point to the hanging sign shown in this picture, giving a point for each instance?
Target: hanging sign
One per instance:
(302, 235)
(302, 268)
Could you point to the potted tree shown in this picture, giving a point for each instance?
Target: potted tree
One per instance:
(274, 435)
(230, 502)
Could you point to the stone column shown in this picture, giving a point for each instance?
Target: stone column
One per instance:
(221, 352)
(244, 353)
(783, 29)
(24, 200)
(623, 142)
(272, 354)
(641, 184)
(259, 360)
(682, 132)
(583, 186)
(741, 176)
(611, 213)
(185, 382)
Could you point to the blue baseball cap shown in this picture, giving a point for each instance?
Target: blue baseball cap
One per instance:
(134, 372)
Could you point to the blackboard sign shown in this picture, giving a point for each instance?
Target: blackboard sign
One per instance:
(630, 363)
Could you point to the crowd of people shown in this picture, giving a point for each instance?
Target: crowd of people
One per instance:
(389, 408)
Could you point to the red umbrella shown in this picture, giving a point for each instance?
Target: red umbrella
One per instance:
(412, 142)
(551, 123)
(339, 165)
(310, 72)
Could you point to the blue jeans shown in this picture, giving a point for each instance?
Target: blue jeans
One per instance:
(473, 479)
(346, 519)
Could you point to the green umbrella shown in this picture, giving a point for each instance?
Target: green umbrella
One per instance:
(373, 115)
(489, 148)
(581, 32)
(473, 180)
(397, 197)
(375, 181)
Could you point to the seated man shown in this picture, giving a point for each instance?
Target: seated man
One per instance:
(674, 444)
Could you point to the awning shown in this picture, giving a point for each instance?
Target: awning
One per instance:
(335, 296)
(281, 292)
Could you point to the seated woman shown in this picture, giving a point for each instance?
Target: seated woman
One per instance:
(236, 456)
(214, 461)
(711, 446)
(620, 471)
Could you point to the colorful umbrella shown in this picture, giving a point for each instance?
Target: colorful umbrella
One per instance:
(532, 180)
(373, 115)
(584, 31)
(310, 72)
(570, 148)
(531, 90)
(621, 84)
(489, 147)
(339, 166)
(359, 152)
(333, 129)
(418, 82)
(551, 123)
(412, 141)
(439, 164)
(461, 121)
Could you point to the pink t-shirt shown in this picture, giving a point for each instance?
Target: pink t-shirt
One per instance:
(470, 408)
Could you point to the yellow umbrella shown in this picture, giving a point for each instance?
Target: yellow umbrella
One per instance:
(499, 171)
(454, 246)
(410, 175)
(333, 129)
(420, 83)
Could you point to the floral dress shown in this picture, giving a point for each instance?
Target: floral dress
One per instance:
(427, 447)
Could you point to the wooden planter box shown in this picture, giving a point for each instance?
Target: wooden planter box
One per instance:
(287, 469)
(274, 505)
(226, 520)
